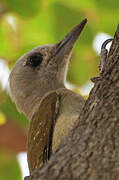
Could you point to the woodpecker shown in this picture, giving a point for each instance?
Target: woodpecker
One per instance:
(38, 90)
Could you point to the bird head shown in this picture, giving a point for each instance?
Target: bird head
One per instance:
(41, 70)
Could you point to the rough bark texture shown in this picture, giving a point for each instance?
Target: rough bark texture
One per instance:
(91, 151)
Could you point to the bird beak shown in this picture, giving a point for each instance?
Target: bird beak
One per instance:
(65, 46)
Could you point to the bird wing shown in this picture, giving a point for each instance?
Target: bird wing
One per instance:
(39, 147)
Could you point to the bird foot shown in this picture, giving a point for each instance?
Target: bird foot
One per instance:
(103, 54)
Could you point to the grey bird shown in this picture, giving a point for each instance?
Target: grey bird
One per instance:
(37, 88)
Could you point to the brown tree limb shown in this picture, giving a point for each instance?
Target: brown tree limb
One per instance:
(91, 151)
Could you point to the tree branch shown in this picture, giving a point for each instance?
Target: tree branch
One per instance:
(91, 151)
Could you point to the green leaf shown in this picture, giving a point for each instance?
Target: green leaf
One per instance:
(83, 65)
(9, 109)
(107, 5)
(23, 7)
(9, 167)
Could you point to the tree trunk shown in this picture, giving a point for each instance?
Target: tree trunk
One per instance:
(91, 151)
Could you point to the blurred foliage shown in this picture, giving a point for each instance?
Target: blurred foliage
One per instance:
(8, 108)
(2, 119)
(9, 167)
(27, 24)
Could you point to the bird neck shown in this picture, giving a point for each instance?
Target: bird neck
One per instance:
(32, 102)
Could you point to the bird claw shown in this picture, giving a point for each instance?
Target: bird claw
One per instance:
(103, 54)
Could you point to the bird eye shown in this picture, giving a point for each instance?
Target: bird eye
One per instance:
(35, 59)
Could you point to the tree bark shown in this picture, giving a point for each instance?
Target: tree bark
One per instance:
(91, 150)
